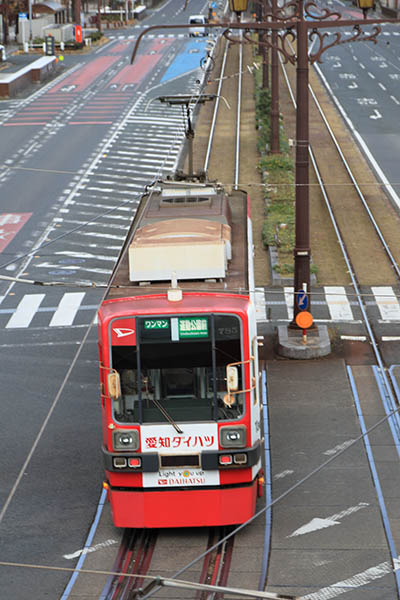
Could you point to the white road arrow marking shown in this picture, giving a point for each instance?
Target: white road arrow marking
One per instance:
(317, 523)
(354, 582)
(376, 115)
(89, 549)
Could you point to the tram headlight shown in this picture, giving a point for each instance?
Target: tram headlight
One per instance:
(233, 437)
(125, 439)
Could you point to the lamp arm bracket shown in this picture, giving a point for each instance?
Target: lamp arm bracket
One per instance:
(320, 14)
(283, 45)
(358, 36)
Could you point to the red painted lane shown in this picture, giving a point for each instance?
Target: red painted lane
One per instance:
(100, 110)
(10, 224)
(132, 74)
(120, 48)
(90, 123)
(160, 44)
(135, 73)
(39, 112)
(24, 123)
(85, 76)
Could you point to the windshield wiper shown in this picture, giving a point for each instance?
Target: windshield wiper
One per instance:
(161, 408)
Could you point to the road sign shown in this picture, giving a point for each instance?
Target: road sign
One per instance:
(22, 16)
(302, 300)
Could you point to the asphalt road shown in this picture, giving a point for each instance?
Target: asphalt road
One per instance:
(364, 78)
(80, 149)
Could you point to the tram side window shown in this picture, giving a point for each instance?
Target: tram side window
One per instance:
(124, 360)
(228, 350)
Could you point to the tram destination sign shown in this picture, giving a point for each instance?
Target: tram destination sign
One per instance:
(156, 324)
(194, 327)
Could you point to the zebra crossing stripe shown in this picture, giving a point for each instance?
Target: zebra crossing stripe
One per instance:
(338, 304)
(26, 310)
(67, 309)
(289, 299)
(261, 314)
(387, 303)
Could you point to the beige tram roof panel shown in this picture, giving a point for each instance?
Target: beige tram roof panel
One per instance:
(174, 201)
(221, 208)
(188, 248)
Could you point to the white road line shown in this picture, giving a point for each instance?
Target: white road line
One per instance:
(90, 549)
(283, 474)
(338, 448)
(67, 309)
(354, 582)
(73, 268)
(261, 314)
(387, 303)
(338, 304)
(104, 257)
(26, 310)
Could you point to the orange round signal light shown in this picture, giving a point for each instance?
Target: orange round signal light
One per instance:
(304, 319)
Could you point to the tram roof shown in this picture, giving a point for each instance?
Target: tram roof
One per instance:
(210, 203)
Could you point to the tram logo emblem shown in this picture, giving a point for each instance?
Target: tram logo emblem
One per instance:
(123, 332)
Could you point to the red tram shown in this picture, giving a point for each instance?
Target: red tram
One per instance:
(178, 363)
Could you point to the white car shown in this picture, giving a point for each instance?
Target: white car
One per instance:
(199, 20)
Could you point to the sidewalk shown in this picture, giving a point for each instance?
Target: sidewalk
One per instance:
(21, 71)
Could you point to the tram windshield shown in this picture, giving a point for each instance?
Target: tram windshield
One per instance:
(179, 365)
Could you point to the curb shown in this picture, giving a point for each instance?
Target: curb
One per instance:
(277, 279)
(290, 343)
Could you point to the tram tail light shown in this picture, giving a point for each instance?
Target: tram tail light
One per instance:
(225, 459)
(134, 462)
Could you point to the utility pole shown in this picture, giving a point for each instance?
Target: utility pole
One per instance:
(275, 144)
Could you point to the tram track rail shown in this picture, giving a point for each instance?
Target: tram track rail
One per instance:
(354, 269)
(357, 204)
(133, 558)
(385, 381)
(216, 559)
(216, 563)
(223, 132)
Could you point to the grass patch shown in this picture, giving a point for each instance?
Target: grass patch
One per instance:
(279, 177)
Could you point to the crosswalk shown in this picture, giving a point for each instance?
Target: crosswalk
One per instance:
(330, 304)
